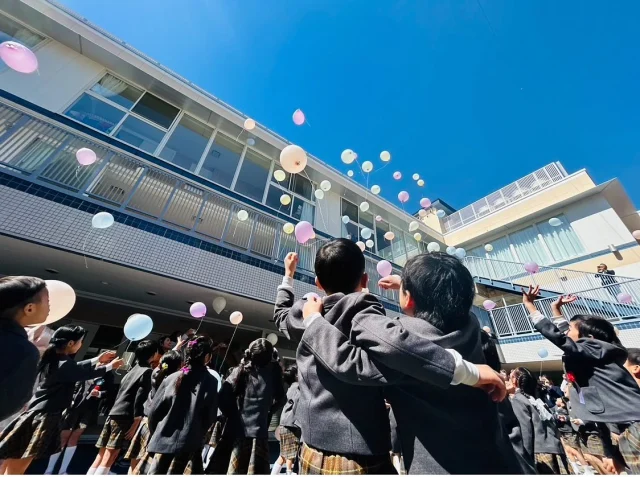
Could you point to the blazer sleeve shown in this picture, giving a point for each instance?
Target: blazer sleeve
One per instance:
(70, 371)
(279, 396)
(160, 405)
(523, 414)
(286, 322)
(142, 393)
(587, 349)
(16, 386)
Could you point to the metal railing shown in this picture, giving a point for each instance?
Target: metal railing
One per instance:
(555, 280)
(514, 192)
(601, 301)
(44, 151)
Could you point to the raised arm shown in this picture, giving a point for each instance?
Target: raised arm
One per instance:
(70, 371)
(286, 322)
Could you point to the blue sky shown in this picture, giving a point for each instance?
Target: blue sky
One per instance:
(470, 100)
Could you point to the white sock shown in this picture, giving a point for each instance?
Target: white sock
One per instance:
(205, 451)
(275, 470)
(210, 454)
(102, 470)
(91, 471)
(66, 459)
(52, 463)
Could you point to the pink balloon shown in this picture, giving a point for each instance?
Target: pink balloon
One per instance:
(403, 196)
(198, 309)
(304, 231)
(384, 268)
(636, 234)
(298, 117)
(86, 156)
(18, 57)
(624, 298)
(397, 175)
(425, 203)
(531, 267)
(378, 218)
(310, 295)
(489, 305)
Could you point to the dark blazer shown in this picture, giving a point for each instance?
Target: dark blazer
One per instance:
(55, 392)
(340, 415)
(179, 419)
(133, 392)
(152, 391)
(436, 424)
(288, 416)
(609, 392)
(18, 368)
(512, 428)
(538, 436)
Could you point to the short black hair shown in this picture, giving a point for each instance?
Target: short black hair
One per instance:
(290, 375)
(17, 292)
(490, 351)
(442, 289)
(145, 351)
(599, 328)
(339, 266)
(634, 356)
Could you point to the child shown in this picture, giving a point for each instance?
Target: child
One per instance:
(170, 362)
(539, 432)
(288, 429)
(183, 408)
(438, 290)
(568, 435)
(602, 390)
(128, 410)
(633, 363)
(24, 301)
(345, 426)
(35, 433)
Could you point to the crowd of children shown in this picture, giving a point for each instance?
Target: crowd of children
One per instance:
(422, 393)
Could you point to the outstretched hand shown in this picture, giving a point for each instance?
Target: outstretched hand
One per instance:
(290, 264)
(563, 300)
(491, 382)
(529, 296)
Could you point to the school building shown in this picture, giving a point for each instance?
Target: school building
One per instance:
(175, 167)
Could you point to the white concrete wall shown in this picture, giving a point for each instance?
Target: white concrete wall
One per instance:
(61, 76)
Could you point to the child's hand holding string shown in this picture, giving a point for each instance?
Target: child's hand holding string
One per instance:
(106, 357)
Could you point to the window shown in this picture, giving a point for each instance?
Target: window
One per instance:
(562, 241)
(11, 30)
(154, 109)
(301, 191)
(383, 245)
(95, 113)
(222, 160)
(350, 210)
(253, 175)
(302, 186)
(117, 91)
(303, 210)
(529, 246)
(187, 143)
(273, 200)
(140, 134)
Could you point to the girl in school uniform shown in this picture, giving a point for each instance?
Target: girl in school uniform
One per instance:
(170, 363)
(183, 408)
(288, 430)
(35, 433)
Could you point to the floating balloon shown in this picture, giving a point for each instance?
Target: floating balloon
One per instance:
(272, 338)
(378, 218)
(219, 303)
(384, 268)
(361, 245)
(279, 175)
(375, 189)
(366, 233)
(61, 300)
(138, 327)
(389, 236)
(461, 253)
(364, 206)
(543, 353)
(441, 213)
(385, 156)
(413, 225)
(251, 142)
(304, 231)
(555, 222)
(367, 166)
(242, 215)
(369, 243)
(350, 173)
(235, 318)
(425, 203)
(319, 194)
(348, 156)
(293, 159)
(288, 228)
(451, 250)
(420, 183)
(489, 305)
(311, 295)
(102, 220)
(417, 236)
(422, 213)
(397, 175)
(345, 219)
(249, 124)
(433, 247)
(285, 199)
(85, 156)
(18, 57)
(325, 186)
(298, 117)
(403, 196)
(624, 298)
(198, 309)
(636, 234)
(488, 248)
(531, 267)
(415, 177)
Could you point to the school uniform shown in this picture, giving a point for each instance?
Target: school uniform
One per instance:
(129, 404)
(345, 426)
(178, 421)
(603, 391)
(36, 431)
(138, 446)
(289, 430)
(512, 429)
(568, 434)
(442, 428)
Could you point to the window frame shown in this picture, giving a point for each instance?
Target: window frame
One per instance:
(37, 46)
(292, 195)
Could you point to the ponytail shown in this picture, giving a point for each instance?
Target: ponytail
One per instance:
(196, 353)
(258, 355)
(526, 382)
(59, 341)
(169, 364)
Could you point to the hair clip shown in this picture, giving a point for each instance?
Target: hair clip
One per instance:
(165, 366)
(185, 370)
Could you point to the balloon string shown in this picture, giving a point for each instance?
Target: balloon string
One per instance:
(86, 265)
(228, 348)
(198, 328)
(359, 168)
(125, 352)
(306, 121)
(318, 202)
(241, 131)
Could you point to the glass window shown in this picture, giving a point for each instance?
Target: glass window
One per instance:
(117, 91)
(253, 175)
(187, 143)
(529, 247)
(412, 246)
(95, 113)
(366, 219)
(273, 200)
(303, 210)
(562, 241)
(222, 160)
(140, 134)
(351, 231)
(302, 186)
(156, 110)
(14, 31)
(286, 183)
(350, 209)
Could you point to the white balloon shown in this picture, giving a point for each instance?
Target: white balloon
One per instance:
(288, 228)
(369, 243)
(279, 175)
(350, 173)
(293, 159)
(345, 219)
(451, 250)
(433, 247)
(319, 194)
(219, 303)
(413, 226)
(461, 253)
(375, 189)
(272, 338)
(555, 222)
(367, 166)
(385, 156)
(325, 185)
(285, 199)
(348, 156)
(251, 142)
(249, 124)
(416, 177)
(364, 206)
(243, 215)
(389, 235)
(417, 236)
(61, 300)
(361, 245)
(236, 318)
(422, 213)
(441, 213)
(366, 232)
(102, 220)
(488, 248)
(420, 183)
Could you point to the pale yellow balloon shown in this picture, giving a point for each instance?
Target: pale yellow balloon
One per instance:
(385, 156)
(285, 199)
(288, 228)
(279, 175)
(367, 166)
(375, 189)
(369, 243)
(364, 206)
(416, 177)
(420, 183)
(422, 213)
(243, 215)
(348, 156)
(417, 236)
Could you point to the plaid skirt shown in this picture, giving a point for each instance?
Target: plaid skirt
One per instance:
(629, 446)
(289, 443)
(32, 434)
(570, 440)
(113, 432)
(249, 456)
(591, 443)
(138, 447)
(215, 433)
(170, 464)
(552, 464)
(315, 462)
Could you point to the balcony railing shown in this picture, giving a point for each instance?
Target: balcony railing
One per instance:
(514, 192)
